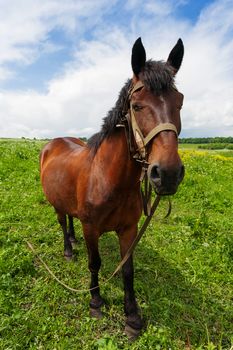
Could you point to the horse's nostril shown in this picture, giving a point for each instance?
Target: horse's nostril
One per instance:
(154, 173)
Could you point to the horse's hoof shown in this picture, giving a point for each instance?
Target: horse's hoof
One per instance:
(96, 313)
(132, 333)
(96, 302)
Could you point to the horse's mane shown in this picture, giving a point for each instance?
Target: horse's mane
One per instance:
(157, 76)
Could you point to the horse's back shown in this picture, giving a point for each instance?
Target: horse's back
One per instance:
(60, 146)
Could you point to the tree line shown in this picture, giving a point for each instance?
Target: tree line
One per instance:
(200, 140)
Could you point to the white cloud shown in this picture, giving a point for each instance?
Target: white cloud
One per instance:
(25, 25)
(207, 73)
(75, 102)
(78, 98)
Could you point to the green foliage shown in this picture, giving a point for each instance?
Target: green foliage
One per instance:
(196, 140)
(229, 146)
(216, 146)
(183, 265)
(213, 146)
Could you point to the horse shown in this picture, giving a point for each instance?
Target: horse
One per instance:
(99, 181)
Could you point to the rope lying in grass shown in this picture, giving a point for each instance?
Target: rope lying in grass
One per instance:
(130, 251)
(62, 283)
(54, 276)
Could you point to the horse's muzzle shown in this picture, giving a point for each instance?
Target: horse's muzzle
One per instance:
(165, 180)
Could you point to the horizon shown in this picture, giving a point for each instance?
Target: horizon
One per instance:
(222, 138)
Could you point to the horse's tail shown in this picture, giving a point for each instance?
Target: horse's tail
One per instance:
(43, 155)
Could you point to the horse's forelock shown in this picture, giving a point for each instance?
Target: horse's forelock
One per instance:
(157, 76)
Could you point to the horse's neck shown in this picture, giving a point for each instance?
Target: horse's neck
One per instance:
(115, 163)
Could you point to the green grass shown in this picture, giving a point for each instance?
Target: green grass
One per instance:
(183, 265)
(188, 146)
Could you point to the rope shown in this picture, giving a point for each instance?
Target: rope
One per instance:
(123, 261)
(54, 276)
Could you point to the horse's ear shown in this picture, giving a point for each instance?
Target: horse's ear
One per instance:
(176, 56)
(138, 58)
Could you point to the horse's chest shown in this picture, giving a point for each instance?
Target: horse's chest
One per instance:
(117, 211)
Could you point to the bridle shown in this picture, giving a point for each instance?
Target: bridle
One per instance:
(134, 136)
(139, 138)
(134, 133)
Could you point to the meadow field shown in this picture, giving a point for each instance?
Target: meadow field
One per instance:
(183, 264)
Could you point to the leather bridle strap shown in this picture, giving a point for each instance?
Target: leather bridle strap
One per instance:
(139, 235)
(122, 262)
(142, 141)
(149, 210)
(158, 129)
(139, 85)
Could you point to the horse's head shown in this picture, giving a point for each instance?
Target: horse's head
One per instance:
(155, 105)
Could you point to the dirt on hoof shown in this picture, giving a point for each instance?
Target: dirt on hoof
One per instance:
(132, 333)
(96, 313)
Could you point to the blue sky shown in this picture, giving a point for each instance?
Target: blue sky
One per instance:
(57, 56)
(47, 65)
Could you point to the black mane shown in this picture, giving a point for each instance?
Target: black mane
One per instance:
(157, 77)
(113, 117)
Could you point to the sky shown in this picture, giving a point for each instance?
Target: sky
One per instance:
(63, 63)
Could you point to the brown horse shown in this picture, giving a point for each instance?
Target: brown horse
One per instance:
(99, 182)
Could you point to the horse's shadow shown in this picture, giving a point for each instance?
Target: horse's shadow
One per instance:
(165, 295)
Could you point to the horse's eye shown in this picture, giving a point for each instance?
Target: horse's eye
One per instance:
(137, 107)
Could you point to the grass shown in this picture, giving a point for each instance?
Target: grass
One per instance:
(183, 265)
(188, 146)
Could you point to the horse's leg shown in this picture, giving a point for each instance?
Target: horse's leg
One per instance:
(67, 243)
(71, 232)
(133, 319)
(94, 263)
